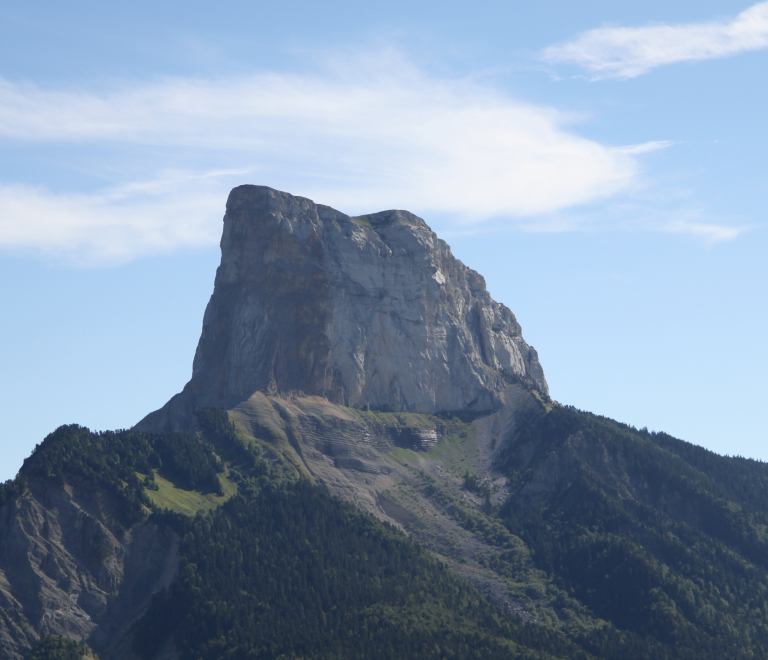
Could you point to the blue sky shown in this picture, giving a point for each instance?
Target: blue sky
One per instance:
(603, 165)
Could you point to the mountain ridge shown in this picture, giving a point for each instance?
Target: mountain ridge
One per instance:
(508, 524)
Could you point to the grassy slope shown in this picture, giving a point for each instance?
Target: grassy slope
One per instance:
(188, 502)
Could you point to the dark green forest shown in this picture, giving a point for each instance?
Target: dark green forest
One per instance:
(663, 541)
(109, 462)
(51, 647)
(287, 571)
(660, 537)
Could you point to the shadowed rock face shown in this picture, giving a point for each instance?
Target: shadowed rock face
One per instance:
(368, 311)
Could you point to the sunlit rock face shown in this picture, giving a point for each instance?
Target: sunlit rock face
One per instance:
(363, 311)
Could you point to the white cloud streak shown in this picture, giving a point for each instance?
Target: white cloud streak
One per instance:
(361, 138)
(115, 225)
(709, 233)
(628, 52)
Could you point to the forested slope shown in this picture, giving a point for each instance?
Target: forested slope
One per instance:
(656, 547)
(658, 536)
(282, 569)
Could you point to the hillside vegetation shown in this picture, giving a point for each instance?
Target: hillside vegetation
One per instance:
(53, 647)
(651, 548)
(659, 537)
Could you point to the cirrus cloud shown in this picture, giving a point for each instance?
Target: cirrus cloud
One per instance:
(628, 52)
(379, 134)
(114, 225)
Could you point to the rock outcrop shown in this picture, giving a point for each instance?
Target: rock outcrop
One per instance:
(367, 312)
(65, 570)
(338, 342)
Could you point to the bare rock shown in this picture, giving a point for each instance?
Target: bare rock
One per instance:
(368, 311)
(63, 571)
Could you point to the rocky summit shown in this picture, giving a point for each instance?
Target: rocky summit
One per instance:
(343, 339)
(367, 312)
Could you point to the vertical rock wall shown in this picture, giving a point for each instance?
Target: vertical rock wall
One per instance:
(368, 311)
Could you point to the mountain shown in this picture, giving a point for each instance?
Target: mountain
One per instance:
(366, 463)
(366, 312)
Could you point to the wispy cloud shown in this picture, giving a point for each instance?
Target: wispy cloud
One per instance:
(710, 233)
(646, 147)
(640, 212)
(380, 134)
(114, 225)
(627, 52)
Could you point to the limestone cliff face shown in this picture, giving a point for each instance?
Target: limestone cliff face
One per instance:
(367, 311)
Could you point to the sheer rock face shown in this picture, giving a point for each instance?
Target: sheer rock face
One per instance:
(368, 311)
